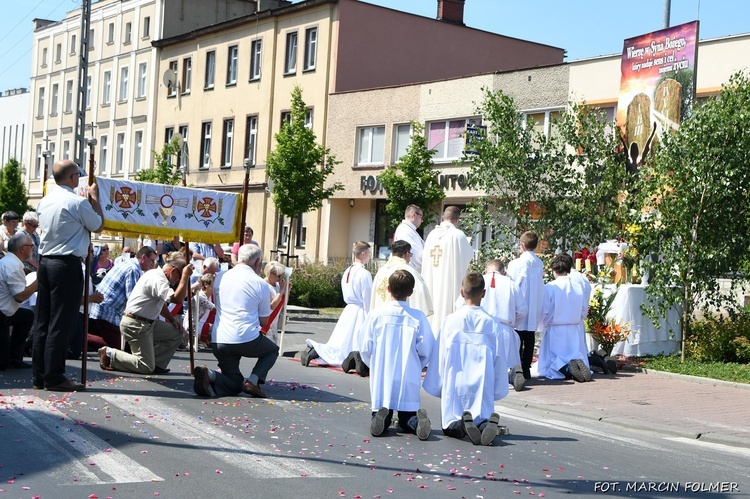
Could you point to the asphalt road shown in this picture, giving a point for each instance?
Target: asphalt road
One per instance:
(138, 436)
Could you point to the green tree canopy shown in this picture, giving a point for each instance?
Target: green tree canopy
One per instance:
(13, 196)
(412, 180)
(163, 172)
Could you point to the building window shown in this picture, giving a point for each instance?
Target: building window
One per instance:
(105, 87)
(300, 232)
(370, 145)
(290, 60)
(251, 137)
(68, 96)
(232, 65)
(111, 33)
(446, 137)
(88, 92)
(543, 121)
(205, 145)
(187, 74)
(210, 69)
(73, 39)
(40, 103)
(38, 162)
(309, 118)
(384, 229)
(168, 134)
(226, 143)
(182, 157)
(142, 79)
(58, 53)
(128, 32)
(102, 154)
(137, 150)
(172, 89)
(146, 27)
(255, 53)
(53, 101)
(124, 84)
(286, 117)
(44, 57)
(311, 48)
(66, 149)
(52, 147)
(120, 152)
(402, 141)
(91, 39)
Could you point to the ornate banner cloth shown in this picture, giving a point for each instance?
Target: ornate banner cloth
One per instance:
(202, 215)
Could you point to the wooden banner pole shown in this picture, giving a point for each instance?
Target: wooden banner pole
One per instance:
(87, 277)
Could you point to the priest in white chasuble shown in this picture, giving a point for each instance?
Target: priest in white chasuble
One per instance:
(447, 254)
(399, 260)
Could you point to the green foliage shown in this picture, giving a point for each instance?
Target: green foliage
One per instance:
(13, 195)
(726, 371)
(694, 194)
(720, 339)
(317, 285)
(686, 78)
(163, 172)
(299, 166)
(412, 180)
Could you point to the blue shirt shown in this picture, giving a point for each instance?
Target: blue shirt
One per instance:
(116, 288)
(67, 220)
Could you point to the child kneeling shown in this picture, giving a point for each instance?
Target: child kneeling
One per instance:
(397, 345)
(468, 368)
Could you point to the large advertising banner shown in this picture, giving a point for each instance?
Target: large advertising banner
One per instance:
(657, 88)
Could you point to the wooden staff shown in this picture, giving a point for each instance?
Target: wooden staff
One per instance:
(87, 279)
(248, 165)
(191, 335)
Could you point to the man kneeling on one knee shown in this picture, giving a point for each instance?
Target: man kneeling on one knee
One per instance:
(152, 342)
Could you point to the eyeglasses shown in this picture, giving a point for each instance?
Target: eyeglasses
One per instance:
(32, 225)
(28, 245)
(76, 174)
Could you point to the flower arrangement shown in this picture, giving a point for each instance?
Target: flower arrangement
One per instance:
(605, 331)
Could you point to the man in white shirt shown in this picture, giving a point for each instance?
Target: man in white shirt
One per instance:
(243, 306)
(125, 255)
(13, 292)
(527, 272)
(447, 254)
(407, 231)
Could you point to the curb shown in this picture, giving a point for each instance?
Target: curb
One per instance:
(697, 379)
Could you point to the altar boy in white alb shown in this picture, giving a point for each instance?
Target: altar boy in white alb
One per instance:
(407, 231)
(356, 286)
(468, 370)
(447, 254)
(398, 344)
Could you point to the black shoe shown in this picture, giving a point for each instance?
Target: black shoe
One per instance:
(489, 432)
(584, 370)
(596, 360)
(377, 425)
(517, 378)
(470, 428)
(308, 355)
(611, 365)
(18, 364)
(423, 425)
(349, 362)
(359, 366)
(161, 370)
(575, 371)
(526, 373)
(202, 382)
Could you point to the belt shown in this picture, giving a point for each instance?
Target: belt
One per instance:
(63, 257)
(138, 318)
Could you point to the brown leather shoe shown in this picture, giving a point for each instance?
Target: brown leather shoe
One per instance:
(66, 386)
(252, 389)
(104, 360)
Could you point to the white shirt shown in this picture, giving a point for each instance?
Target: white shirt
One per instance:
(501, 299)
(527, 271)
(149, 295)
(468, 369)
(398, 344)
(12, 282)
(407, 231)
(66, 220)
(241, 298)
(420, 297)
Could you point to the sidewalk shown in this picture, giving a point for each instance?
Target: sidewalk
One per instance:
(685, 406)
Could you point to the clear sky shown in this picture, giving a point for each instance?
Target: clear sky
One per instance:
(585, 28)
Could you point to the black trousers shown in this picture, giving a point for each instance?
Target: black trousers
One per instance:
(59, 295)
(11, 345)
(526, 351)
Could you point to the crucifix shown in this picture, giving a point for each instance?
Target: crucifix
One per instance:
(436, 253)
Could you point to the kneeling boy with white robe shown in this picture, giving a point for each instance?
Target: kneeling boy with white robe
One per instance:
(397, 345)
(468, 369)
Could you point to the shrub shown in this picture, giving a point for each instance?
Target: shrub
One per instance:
(720, 339)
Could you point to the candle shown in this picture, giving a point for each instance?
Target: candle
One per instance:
(578, 264)
(588, 265)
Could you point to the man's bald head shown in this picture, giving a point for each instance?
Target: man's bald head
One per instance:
(63, 169)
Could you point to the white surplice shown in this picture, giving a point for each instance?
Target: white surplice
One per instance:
(447, 254)
(467, 369)
(398, 344)
(527, 271)
(356, 286)
(502, 301)
(420, 297)
(563, 311)
(407, 231)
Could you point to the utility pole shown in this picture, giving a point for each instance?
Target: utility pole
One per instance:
(667, 13)
(83, 71)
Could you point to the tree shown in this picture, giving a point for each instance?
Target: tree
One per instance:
(696, 208)
(412, 180)
(299, 167)
(163, 172)
(13, 195)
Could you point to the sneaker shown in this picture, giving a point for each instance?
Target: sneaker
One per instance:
(252, 389)
(202, 382)
(377, 425)
(583, 368)
(489, 432)
(470, 428)
(575, 371)
(359, 366)
(308, 355)
(519, 381)
(423, 425)
(349, 362)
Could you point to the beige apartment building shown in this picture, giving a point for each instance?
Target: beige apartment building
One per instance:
(234, 82)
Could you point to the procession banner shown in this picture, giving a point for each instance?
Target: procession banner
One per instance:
(657, 87)
(202, 215)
